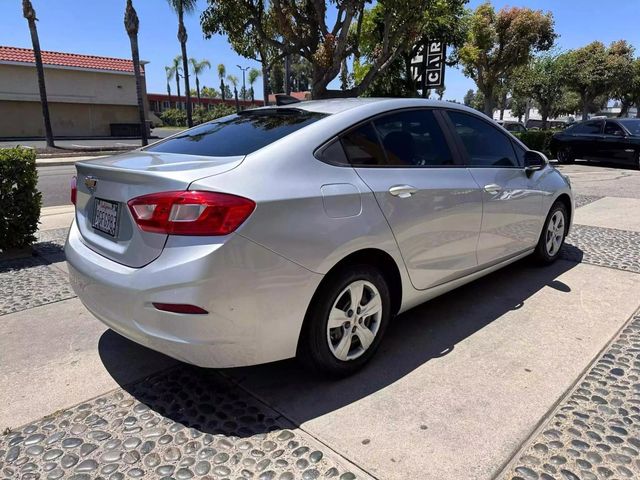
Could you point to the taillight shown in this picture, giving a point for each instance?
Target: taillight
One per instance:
(190, 212)
(74, 189)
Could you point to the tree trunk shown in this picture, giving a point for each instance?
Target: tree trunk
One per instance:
(135, 55)
(44, 102)
(179, 100)
(585, 107)
(222, 89)
(235, 93)
(545, 117)
(624, 109)
(489, 106)
(265, 83)
(198, 90)
(169, 93)
(287, 75)
(502, 112)
(182, 38)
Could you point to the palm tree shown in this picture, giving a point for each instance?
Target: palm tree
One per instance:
(222, 73)
(181, 7)
(169, 72)
(132, 25)
(198, 68)
(254, 73)
(30, 14)
(233, 80)
(177, 69)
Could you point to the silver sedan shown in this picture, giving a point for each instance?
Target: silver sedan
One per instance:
(302, 230)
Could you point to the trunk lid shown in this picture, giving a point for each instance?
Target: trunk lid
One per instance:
(105, 186)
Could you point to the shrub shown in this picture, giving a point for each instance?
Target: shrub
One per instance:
(537, 140)
(20, 199)
(174, 117)
(202, 115)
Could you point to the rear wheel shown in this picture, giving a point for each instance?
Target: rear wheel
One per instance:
(565, 155)
(553, 234)
(346, 321)
(636, 159)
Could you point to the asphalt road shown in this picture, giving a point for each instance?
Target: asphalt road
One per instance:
(53, 182)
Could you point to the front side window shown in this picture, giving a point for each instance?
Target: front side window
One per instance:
(612, 128)
(239, 134)
(588, 128)
(631, 124)
(486, 146)
(413, 138)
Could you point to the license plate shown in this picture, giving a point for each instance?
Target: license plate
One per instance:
(105, 216)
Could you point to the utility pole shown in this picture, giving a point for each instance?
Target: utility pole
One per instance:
(244, 85)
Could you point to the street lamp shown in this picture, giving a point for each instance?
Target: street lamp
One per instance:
(244, 86)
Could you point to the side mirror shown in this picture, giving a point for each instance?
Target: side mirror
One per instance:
(534, 161)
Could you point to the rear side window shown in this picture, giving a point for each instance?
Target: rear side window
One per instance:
(362, 147)
(238, 134)
(413, 138)
(486, 146)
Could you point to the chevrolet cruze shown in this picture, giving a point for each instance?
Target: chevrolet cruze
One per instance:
(303, 229)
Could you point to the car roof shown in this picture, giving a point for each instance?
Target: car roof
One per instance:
(339, 105)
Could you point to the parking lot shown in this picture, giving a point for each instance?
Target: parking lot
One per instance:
(528, 373)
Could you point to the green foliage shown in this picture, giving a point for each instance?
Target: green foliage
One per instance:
(538, 140)
(474, 100)
(498, 43)
(20, 199)
(174, 117)
(208, 92)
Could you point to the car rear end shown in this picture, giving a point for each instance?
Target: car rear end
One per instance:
(166, 265)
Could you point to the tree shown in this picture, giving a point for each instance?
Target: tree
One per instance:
(543, 81)
(253, 75)
(176, 69)
(222, 73)
(440, 92)
(169, 72)
(469, 97)
(498, 43)
(445, 20)
(181, 7)
(30, 15)
(208, 92)
(132, 25)
(302, 28)
(198, 69)
(474, 100)
(233, 80)
(595, 71)
(276, 79)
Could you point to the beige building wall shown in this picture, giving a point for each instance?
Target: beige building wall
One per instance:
(81, 103)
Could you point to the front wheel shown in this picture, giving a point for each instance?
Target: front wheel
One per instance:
(346, 321)
(553, 234)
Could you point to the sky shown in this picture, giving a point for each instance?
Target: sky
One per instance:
(74, 26)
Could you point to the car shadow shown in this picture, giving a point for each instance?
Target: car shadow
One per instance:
(414, 338)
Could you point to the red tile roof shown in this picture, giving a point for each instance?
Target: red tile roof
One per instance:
(72, 60)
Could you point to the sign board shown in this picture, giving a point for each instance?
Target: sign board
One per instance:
(428, 64)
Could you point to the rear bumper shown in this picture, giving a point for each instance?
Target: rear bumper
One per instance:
(256, 299)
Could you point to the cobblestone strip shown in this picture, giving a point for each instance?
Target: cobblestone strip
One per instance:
(595, 431)
(181, 424)
(606, 247)
(582, 200)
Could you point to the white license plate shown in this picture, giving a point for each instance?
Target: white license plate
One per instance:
(105, 216)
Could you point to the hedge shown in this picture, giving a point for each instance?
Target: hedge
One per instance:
(20, 199)
(537, 140)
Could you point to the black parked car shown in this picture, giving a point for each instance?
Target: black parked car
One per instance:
(616, 140)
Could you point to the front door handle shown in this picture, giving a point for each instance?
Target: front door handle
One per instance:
(493, 188)
(402, 191)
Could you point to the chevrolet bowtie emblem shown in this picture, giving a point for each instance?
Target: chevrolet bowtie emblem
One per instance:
(91, 182)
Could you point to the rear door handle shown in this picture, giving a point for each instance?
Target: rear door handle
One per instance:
(402, 191)
(493, 188)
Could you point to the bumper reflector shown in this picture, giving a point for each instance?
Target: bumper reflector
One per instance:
(180, 308)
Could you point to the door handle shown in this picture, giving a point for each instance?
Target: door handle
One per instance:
(493, 188)
(402, 191)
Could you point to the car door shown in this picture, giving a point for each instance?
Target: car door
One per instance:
(615, 145)
(432, 203)
(512, 200)
(585, 139)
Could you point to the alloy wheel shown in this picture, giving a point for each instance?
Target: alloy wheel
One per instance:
(555, 233)
(354, 320)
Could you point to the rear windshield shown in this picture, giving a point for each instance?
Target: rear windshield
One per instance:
(239, 134)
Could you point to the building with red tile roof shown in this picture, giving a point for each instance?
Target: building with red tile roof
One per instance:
(89, 96)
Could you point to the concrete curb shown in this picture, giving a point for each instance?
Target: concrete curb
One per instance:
(61, 161)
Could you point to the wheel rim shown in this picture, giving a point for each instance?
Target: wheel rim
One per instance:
(354, 320)
(555, 233)
(563, 156)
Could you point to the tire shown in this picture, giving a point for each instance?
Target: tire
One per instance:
(553, 235)
(565, 155)
(339, 351)
(636, 159)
